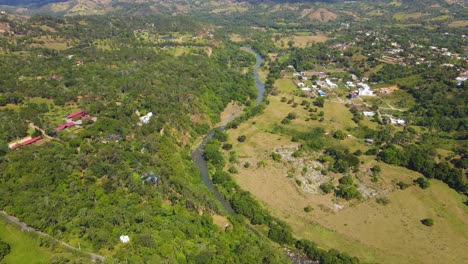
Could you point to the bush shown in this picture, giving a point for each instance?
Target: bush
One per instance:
(227, 146)
(422, 182)
(233, 170)
(383, 201)
(241, 138)
(327, 187)
(285, 121)
(308, 209)
(427, 222)
(402, 185)
(291, 116)
(275, 156)
(4, 249)
(339, 135)
(247, 165)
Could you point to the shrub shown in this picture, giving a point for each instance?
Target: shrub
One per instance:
(241, 138)
(4, 249)
(233, 170)
(247, 165)
(327, 187)
(402, 185)
(339, 135)
(275, 156)
(227, 146)
(427, 221)
(308, 209)
(291, 116)
(422, 182)
(285, 121)
(383, 201)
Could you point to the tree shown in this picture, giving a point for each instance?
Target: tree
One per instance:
(422, 182)
(241, 138)
(319, 101)
(427, 221)
(4, 249)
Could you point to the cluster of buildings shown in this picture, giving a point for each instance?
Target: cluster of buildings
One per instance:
(74, 119)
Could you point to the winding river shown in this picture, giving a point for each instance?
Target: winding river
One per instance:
(197, 155)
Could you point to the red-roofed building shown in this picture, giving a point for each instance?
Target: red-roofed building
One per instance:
(63, 126)
(27, 142)
(73, 115)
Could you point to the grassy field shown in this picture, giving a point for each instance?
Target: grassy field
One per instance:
(285, 85)
(375, 233)
(459, 23)
(300, 41)
(24, 248)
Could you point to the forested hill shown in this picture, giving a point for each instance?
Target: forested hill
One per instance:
(34, 3)
(113, 172)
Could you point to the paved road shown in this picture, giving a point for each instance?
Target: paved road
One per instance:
(24, 227)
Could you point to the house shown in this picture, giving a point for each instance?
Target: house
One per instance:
(63, 126)
(369, 141)
(352, 95)
(75, 114)
(330, 83)
(397, 121)
(365, 90)
(146, 118)
(368, 113)
(321, 93)
(124, 239)
(27, 142)
(306, 89)
(300, 84)
(350, 84)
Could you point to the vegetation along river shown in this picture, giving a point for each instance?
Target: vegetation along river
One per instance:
(197, 155)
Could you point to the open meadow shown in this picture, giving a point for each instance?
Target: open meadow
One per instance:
(390, 233)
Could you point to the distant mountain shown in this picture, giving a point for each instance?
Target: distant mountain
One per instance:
(37, 3)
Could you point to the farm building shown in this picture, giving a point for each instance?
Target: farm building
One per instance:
(27, 142)
(75, 114)
(368, 113)
(63, 126)
(365, 90)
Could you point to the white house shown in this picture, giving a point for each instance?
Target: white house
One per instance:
(306, 89)
(368, 113)
(330, 84)
(300, 84)
(365, 90)
(397, 121)
(124, 239)
(146, 118)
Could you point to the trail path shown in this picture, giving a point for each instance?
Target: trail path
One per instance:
(25, 227)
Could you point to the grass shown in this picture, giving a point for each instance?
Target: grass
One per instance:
(285, 85)
(373, 232)
(24, 247)
(458, 23)
(301, 40)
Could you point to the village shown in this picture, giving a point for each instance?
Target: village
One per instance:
(351, 93)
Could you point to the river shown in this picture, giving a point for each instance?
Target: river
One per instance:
(197, 155)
